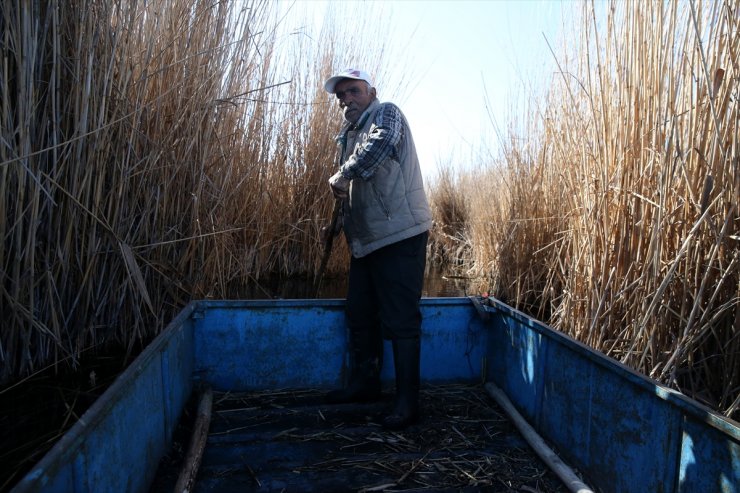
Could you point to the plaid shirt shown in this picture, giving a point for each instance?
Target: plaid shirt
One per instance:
(385, 134)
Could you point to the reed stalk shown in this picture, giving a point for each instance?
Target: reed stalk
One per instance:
(153, 153)
(615, 216)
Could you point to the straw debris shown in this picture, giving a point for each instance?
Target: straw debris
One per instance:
(463, 443)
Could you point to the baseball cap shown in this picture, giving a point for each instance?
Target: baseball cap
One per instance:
(350, 73)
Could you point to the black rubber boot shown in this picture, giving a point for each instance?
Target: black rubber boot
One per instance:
(364, 383)
(406, 361)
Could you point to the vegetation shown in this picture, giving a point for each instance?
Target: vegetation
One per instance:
(615, 214)
(152, 153)
(162, 151)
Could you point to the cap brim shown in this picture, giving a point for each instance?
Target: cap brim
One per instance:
(331, 83)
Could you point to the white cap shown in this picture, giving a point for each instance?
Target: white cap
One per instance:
(350, 73)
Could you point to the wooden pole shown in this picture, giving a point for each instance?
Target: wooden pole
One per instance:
(328, 245)
(563, 471)
(186, 480)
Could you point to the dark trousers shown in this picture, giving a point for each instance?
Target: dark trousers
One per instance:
(385, 288)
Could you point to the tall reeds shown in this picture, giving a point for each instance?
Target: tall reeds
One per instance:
(153, 153)
(617, 217)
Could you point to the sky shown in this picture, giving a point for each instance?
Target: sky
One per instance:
(470, 64)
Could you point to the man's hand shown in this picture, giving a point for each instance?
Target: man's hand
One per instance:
(339, 185)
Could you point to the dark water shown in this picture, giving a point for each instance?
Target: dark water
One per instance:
(437, 284)
(440, 285)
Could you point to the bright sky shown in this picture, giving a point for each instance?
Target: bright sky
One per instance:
(457, 51)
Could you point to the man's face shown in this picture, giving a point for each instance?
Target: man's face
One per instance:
(354, 97)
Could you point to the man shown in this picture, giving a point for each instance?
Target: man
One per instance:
(386, 220)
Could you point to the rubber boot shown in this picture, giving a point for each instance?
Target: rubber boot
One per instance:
(406, 361)
(364, 383)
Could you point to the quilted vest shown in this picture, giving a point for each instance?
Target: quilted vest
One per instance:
(391, 205)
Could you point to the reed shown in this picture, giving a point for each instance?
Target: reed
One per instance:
(450, 210)
(157, 152)
(615, 215)
(153, 153)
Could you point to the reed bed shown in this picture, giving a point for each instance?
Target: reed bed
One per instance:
(153, 153)
(615, 217)
(111, 152)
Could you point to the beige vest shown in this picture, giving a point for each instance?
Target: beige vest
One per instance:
(390, 206)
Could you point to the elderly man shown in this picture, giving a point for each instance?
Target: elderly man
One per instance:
(386, 220)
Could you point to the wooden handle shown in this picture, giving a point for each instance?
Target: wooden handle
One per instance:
(329, 244)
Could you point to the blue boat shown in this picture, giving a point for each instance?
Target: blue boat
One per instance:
(620, 431)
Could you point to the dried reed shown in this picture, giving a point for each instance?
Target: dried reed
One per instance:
(616, 217)
(153, 153)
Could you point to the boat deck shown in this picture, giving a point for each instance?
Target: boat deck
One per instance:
(291, 441)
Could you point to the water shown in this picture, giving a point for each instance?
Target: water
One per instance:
(437, 284)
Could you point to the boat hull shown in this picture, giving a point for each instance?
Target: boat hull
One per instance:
(622, 431)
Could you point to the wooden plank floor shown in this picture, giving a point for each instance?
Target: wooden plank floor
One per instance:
(291, 441)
